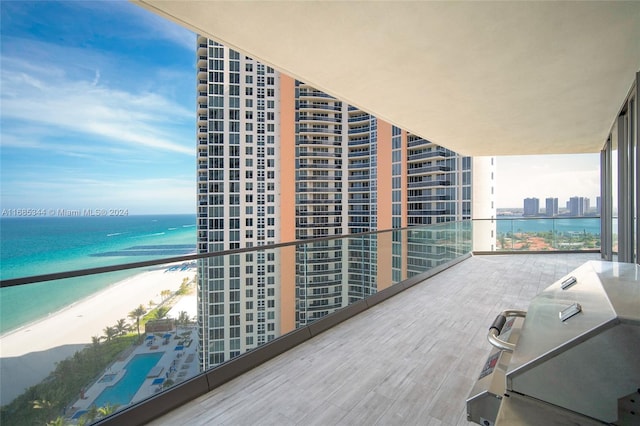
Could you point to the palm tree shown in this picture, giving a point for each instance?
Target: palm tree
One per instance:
(42, 404)
(165, 294)
(107, 410)
(183, 318)
(95, 346)
(58, 421)
(110, 333)
(90, 415)
(122, 327)
(137, 313)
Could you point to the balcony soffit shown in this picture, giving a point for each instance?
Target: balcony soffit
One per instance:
(480, 78)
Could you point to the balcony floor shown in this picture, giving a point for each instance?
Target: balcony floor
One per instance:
(409, 360)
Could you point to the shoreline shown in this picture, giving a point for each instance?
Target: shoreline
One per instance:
(38, 320)
(29, 353)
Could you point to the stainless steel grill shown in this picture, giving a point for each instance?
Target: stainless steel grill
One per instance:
(572, 358)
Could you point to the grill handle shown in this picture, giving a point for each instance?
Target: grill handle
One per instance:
(496, 329)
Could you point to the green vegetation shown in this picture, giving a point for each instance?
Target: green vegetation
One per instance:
(136, 314)
(45, 402)
(184, 287)
(548, 240)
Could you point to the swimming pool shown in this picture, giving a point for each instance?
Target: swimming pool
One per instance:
(136, 372)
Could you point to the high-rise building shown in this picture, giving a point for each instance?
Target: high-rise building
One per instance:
(551, 207)
(578, 206)
(531, 207)
(279, 160)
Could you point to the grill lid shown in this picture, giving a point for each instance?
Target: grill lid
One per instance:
(577, 347)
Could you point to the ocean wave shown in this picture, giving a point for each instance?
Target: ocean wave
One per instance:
(172, 229)
(149, 235)
(151, 250)
(188, 226)
(116, 233)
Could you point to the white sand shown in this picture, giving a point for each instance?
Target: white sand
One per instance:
(30, 353)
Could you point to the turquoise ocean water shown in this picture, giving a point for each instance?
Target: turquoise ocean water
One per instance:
(34, 246)
(588, 225)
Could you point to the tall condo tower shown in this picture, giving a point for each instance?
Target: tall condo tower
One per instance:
(279, 160)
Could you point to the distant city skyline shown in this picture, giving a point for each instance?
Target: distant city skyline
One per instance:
(562, 203)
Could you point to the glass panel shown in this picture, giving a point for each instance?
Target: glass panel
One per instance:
(115, 339)
(614, 191)
(548, 234)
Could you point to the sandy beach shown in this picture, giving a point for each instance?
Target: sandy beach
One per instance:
(30, 353)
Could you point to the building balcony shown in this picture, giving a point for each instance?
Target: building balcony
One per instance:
(359, 118)
(429, 183)
(318, 178)
(307, 140)
(319, 190)
(314, 106)
(417, 198)
(317, 166)
(359, 130)
(307, 93)
(313, 119)
(360, 141)
(359, 165)
(308, 154)
(318, 202)
(417, 171)
(433, 212)
(364, 178)
(354, 154)
(316, 214)
(326, 131)
(411, 374)
(437, 153)
(409, 354)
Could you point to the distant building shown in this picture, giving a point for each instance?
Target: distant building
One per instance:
(531, 207)
(598, 206)
(578, 206)
(551, 207)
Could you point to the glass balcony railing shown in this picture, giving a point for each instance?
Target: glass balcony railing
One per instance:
(537, 234)
(143, 328)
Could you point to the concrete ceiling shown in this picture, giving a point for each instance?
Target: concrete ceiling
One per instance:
(480, 78)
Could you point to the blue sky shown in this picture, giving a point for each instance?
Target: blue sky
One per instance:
(97, 112)
(97, 108)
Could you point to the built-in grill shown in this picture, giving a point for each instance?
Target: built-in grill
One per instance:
(572, 358)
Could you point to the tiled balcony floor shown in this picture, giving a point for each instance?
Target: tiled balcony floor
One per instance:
(410, 360)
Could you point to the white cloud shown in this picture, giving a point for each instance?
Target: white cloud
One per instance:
(86, 107)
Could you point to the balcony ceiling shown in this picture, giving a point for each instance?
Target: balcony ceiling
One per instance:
(480, 78)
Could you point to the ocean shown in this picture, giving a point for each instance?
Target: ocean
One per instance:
(41, 245)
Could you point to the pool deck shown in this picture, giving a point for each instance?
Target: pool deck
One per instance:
(176, 364)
